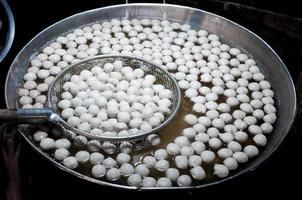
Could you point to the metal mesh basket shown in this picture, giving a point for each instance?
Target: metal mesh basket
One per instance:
(162, 77)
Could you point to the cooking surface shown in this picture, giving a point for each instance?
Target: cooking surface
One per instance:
(39, 176)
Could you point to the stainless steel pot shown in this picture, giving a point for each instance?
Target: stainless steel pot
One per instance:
(229, 31)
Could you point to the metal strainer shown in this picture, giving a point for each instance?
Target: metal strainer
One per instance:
(51, 112)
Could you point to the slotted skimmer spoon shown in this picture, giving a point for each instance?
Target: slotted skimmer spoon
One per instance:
(51, 113)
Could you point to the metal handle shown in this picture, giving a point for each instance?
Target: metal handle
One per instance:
(26, 116)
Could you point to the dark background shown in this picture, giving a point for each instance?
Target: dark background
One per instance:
(278, 22)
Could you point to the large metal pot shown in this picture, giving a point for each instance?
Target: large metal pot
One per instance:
(272, 65)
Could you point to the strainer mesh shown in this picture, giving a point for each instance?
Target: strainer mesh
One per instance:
(162, 77)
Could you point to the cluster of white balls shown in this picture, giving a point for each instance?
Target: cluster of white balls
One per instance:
(233, 105)
(114, 100)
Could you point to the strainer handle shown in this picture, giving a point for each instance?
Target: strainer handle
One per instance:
(26, 116)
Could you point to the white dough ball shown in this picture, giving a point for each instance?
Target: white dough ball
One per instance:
(224, 153)
(61, 154)
(184, 180)
(251, 151)
(202, 137)
(181, 162)
(142, 170)
(226, 137)
(198, 173)
(126, 169)
(47, 143)
(181, 141)
(113, 174)
(122, 158)
(240, 157)
(260, 139)
(39, 135)
(160, 154)
(189, 133)
(254, 129)
(164, 182)
(241, 136)
(221, 171)
(150, 161)
(173, 149)
(186, 151)
(96, 158)
(230, 163)
(172, 174)
(195, 160)
(198, 146)
(162, 165)
(70, 162)
(82, 156)
(109, 162)
(266, 128)
(134, 180)
(234, 146)
(98, 171)
(208, 156)
(215, 143)
(62, 143)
